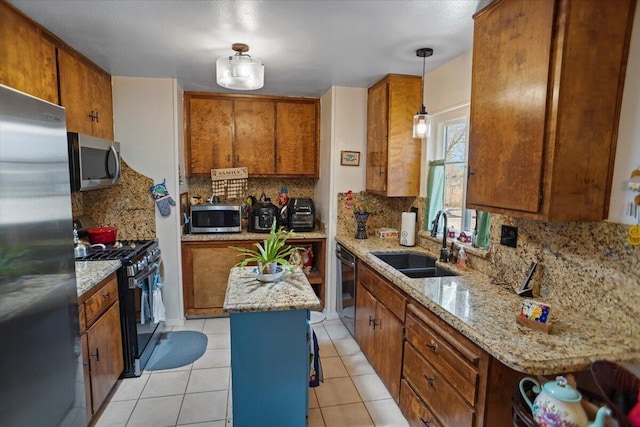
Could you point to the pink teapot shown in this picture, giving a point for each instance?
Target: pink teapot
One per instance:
(558, 405)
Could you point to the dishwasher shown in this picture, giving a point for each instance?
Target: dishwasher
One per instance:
(346, 289)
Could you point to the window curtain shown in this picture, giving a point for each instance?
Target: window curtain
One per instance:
(483, 224)
(435, 192)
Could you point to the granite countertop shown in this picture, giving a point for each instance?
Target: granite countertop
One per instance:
(245, 293)
(90, 273)
(485, 313)
(245, 235)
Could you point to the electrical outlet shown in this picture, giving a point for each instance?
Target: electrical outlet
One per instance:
(509, 236)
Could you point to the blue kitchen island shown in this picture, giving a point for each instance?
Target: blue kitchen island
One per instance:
(270, 339)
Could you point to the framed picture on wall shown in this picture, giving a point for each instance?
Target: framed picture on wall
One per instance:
(350, 158)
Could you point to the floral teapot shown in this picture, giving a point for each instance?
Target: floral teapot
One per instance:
(558, 405)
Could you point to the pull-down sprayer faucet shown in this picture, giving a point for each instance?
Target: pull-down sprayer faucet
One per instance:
(445, 253)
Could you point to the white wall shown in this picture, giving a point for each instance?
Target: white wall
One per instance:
(628, 151)
(344, 127)
(147, 123)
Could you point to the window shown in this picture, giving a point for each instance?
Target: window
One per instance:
(451, 145)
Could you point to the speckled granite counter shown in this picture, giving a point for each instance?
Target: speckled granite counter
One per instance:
(90, 273)
(245, 235)
(246, 293)
(485, 313)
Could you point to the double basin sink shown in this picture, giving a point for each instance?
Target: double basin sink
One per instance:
(413, 264)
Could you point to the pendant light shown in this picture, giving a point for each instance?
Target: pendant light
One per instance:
(422, 121)
(240, 71)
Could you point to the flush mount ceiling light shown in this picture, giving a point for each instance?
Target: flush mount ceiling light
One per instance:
(422, 120)
(240, 71)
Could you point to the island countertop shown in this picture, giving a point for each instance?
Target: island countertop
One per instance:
(245, 293)
(90, 273)
(485, 313)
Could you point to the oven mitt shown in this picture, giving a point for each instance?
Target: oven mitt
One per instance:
(162, 198)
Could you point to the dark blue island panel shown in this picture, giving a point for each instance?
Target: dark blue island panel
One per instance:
(270, 368)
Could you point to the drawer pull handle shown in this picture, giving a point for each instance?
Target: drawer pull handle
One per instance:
(96, 355)
(429, 379)
(433, 346)
(106, 295)
(425, 422)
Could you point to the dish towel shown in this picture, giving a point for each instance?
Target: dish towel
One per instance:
(315, 367)
(145, 309)
(158, 314)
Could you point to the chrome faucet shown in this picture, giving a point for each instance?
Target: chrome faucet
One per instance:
(445, 253)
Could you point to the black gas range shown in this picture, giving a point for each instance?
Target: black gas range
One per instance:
(141, 329)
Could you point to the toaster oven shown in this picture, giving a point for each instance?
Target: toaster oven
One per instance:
(216, 218)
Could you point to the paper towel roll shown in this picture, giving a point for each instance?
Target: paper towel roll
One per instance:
(408, 229)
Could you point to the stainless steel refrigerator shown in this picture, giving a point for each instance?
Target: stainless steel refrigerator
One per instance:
(41, 376)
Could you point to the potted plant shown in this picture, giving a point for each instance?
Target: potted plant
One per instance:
(270, 253)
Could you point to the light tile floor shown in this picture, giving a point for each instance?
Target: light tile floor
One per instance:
(199, 394)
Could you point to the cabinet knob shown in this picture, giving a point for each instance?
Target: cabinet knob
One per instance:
(425, 422)
(106, 295)
(97, 117)
(433, 346)
(379, 171)
(430, 380)
(228, 157)
(96, 355)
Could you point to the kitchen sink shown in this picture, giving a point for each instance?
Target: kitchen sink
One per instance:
(414, 265)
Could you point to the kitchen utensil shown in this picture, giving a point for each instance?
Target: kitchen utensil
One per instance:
(106, 235)
(558, 403)
(80, 248)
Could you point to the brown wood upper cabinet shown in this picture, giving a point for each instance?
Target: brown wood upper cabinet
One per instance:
(85, 92)
(547, 84)
(28, 59)
(271, 136)
(393, 155)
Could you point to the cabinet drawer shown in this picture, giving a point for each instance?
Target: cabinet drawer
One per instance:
(382, 290)
(82, 318)
(101, 300)
(416, 413)
(443, 400)
(455, 368)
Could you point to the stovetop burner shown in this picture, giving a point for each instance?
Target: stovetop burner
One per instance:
(129, 250)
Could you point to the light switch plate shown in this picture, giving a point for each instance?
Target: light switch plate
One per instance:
(509, 236)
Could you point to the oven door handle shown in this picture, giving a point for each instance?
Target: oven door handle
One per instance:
(134, 281)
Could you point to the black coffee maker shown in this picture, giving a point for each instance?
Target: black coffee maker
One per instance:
(262, 215)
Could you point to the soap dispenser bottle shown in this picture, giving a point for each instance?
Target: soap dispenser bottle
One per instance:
(462, 259)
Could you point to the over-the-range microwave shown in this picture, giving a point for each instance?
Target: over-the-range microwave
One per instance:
(216, 218)
(93, 162)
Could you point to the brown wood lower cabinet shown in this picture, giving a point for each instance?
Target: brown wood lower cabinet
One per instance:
(101, 340)
(439, 377)
(206, 265)
(379, 331)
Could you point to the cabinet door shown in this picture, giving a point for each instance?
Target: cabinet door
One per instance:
(75, 92)
(296, 139)
(105, 352)
(388, 349)
(28, 61)
(365, 318)
(102, 105)
(377, 125)
(206, 273)
(210, 134)
(416, 413)
(254, 144)
(511, 63)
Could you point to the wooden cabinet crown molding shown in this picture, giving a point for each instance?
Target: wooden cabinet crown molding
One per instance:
(273, 136)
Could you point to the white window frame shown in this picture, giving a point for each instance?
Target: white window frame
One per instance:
(435, 151)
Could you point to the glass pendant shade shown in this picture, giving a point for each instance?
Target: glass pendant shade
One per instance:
(240, 72)
(421, 124)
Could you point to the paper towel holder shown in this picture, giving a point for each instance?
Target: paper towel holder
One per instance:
(406, 229)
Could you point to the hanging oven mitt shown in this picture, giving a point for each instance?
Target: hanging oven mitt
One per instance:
(162, 198)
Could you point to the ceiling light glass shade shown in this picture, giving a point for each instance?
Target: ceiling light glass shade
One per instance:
(421, 124)
(240, 72)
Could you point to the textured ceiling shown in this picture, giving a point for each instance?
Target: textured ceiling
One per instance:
(306, 46)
